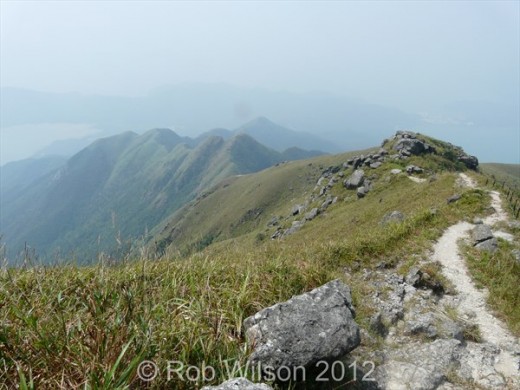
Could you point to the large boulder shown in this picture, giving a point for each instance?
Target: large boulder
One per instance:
(318, 325)
(412, 146)
(239, 384)
(470, 162)
(355, 180)
(481, 233)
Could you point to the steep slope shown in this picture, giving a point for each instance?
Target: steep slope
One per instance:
(260, 202)
(120, 187)
(377, 242)
(15, 176)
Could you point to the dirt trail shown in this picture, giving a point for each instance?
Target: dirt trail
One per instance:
(472, 301)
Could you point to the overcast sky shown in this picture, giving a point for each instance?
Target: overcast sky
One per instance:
(415, 56)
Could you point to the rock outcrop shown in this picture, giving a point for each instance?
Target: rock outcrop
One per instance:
(318, 325)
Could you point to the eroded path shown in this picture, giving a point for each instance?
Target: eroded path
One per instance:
(472, 301)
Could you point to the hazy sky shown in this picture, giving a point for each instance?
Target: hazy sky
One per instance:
(413, 55)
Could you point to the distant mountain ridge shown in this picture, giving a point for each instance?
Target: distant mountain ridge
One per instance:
(119, 187)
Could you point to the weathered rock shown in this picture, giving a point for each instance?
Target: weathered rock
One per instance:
(394, 216)
(477, 363)
(296, 225)
(490, 245)
(273, 221)
(470, 162)
(277, 234)
(395, 171)
(239, 384)
(298, 209)
(355, 180)
(305, 329)
(413, 278)
(312, 214)
(453, 198)
(327, 203)
(418, 367)
(362, 191)
(412, 146)
(376, 164)
(481, 233)
(410, 169)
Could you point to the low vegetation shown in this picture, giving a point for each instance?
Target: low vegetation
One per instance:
(91, 326)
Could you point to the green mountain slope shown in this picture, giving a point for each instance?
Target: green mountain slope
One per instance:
(504, 173)
(193, 306)
(118, 188)
(260, 204)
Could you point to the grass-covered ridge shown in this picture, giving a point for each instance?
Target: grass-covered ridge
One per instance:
(72, 326)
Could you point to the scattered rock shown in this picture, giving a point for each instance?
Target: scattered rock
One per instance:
(453, 198)
(418, 367)
(305, 329)
(395, 171)
(312, 214)
(394, 216)
(411, 169)
(296, 225)
(490, 245)
(274, 221)
(298, 209)
(477, 221)
(470, 162)
(355, 180)
(408, 146)
(481, 233)
(239, 384)
(362, 191)
(376, 164)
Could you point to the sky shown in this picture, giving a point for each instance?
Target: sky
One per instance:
(416, 56)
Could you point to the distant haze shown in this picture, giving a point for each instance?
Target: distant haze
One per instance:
(448, 68)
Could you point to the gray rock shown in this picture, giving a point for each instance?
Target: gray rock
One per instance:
(312, 214)
(355, 180)
(412, 146)
(453, 198)
(362, 191)
(470, 162)
(239, 384)
(395, 171)
(305, 329)
(481, 233)
(418, 366)
(477, 221)
(422, 324)
(414, 277)
(273, 221)
(477, 363)
(410, 169)
(376, 164)
(327, 203)
(296, 225)
(490, 245)
(514, 225)
(298, 209)
(394, 216)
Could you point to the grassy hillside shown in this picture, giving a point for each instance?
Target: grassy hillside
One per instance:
(117, 189)
(503, 173)
(67, 326)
